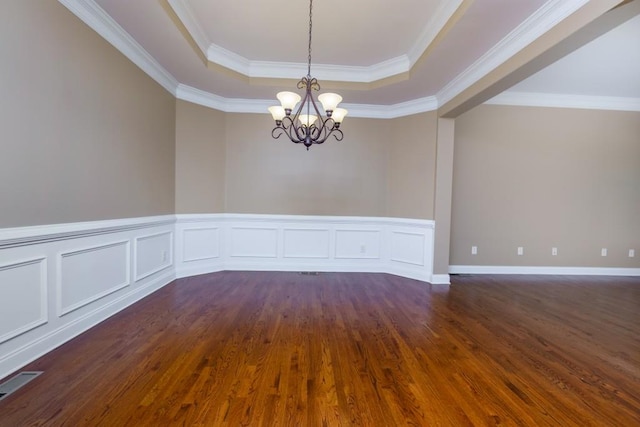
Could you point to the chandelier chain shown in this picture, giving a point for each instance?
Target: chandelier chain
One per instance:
(310, 28)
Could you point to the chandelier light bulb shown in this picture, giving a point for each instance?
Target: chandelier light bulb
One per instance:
(339, 115)
(288, 100)
(277, 112)
(329, 101)
(307, 119)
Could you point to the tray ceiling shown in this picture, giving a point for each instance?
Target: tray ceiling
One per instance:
(376, 53)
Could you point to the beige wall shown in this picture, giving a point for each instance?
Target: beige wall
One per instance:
(86, 135)
(542, 178)
(412, 166)
(278, 177)
(200, 159)
(381, 168)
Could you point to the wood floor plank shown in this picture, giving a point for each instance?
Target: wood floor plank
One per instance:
(350, 349)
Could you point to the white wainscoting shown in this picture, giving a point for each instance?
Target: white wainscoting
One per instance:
(209, 243)
(57, 281)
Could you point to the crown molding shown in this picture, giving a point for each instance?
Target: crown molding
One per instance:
(260, 106)
(188, 19)
(200, 97)
(408, 108)
(393, 111)
(545, 18)
(98, 20)
(228, 59)
(530, 99)
(435, 25)
(294, 70)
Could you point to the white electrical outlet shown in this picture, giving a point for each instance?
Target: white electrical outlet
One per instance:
(520, 250)
(164, 256)
(603, 252)
(474, 250)
(554, 251)
(632, 253)
(363, 249)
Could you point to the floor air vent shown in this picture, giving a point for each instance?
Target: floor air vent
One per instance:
(13, 384)
(310, 273)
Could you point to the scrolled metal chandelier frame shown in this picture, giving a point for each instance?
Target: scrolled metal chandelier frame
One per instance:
(307, 125)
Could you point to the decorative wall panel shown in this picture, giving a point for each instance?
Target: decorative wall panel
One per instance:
(23, 297)
(153, 253)
(201, 243)
(89, 274)
(254, 242)
(408, 248)
(306, 243)
(358, 244)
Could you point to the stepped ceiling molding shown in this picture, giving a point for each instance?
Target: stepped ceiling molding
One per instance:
(387, 59)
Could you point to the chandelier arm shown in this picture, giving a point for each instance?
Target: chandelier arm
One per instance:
(315, 132)
(326, 131)
(296, 129)
(275, 135)
(288, 126)
(315, 106)
(286, 122)
(302, 103)
(294, 134)
(301, 106)
(321, 133)
(338, 132)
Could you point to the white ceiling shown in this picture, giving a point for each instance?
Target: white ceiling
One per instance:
(608, 66)
(414, 55)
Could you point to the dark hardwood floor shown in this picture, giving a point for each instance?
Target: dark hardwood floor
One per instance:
(284, 349)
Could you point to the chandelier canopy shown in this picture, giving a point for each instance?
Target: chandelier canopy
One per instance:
(307, 125)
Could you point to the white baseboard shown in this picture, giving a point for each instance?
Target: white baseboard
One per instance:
(440, 279)
(578, 271)
(188, 271)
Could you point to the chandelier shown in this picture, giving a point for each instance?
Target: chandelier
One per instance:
(307, 125)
